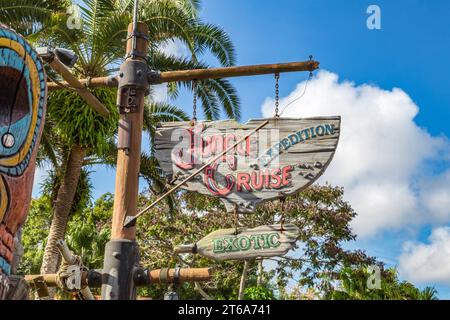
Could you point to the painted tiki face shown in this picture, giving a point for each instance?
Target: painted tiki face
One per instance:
(22, 108)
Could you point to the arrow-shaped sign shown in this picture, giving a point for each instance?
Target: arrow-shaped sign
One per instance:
(260, 242)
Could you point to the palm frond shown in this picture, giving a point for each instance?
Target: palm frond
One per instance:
(212, 93)
(167, 21)
(155, 113)
(30, 16)
(226, 95)
(213, 38)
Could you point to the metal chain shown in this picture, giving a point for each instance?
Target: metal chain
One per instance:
(277, 97)
(236, 219)
(194, 90)
(282, 201)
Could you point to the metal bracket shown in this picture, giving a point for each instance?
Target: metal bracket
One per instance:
(176, 277)
(141, 277)
(133, 74)
(127, 100)
(154, 77)
(136, 34)
(46, 54)
(164, 275)
(121, 261)
(135, 54)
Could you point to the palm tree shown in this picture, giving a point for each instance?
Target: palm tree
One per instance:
(428, 293)
(82, 134)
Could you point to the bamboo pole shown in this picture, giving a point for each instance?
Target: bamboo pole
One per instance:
(49, 279)
(73, 82)
(201, 74)
(186, 275)
(100, 82)
(154, 276)
(229, 72)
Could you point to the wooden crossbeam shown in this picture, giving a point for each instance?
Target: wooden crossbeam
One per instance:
(154, 276)
(202, 74)
(74, 83)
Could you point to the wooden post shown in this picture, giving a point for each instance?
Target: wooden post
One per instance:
(121, 253)
(128, 160)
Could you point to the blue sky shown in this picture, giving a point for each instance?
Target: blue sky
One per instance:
(410, 52)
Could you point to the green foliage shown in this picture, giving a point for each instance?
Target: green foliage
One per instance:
(320, 212)
(88, 233)
(34, 235)
(258, 293)
(77, 123)
(83, 195)
(37, 226)
(30, 16)
(354, 287)
(313, 269)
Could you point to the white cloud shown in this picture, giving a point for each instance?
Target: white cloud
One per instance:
(159, 93)
(382, 152)
(435, 197)
(174, 48)
(425, 263)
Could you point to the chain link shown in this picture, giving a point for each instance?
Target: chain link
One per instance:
(277, 97)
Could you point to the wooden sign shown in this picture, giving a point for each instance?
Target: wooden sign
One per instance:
(22, 110)
(260, 242)
(282, 158)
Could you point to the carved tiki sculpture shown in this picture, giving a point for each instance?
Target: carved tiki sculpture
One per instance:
(23, 94)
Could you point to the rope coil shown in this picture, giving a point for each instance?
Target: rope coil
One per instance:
(63, 275)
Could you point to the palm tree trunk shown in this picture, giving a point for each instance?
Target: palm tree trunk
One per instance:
(243, 280)
(259, 279)
(63, 204)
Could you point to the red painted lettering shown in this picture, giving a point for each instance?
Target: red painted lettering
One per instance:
(275, 175)
(285, 175)
(210, 181)
(243, 180)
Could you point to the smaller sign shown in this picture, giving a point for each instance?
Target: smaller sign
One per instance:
(260, 242)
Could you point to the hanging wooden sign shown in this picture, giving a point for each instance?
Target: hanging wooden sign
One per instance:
(260, 242)
(22, 110)
(282, 158)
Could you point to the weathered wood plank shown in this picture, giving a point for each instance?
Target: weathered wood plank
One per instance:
(283, 158)
(261, 242)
